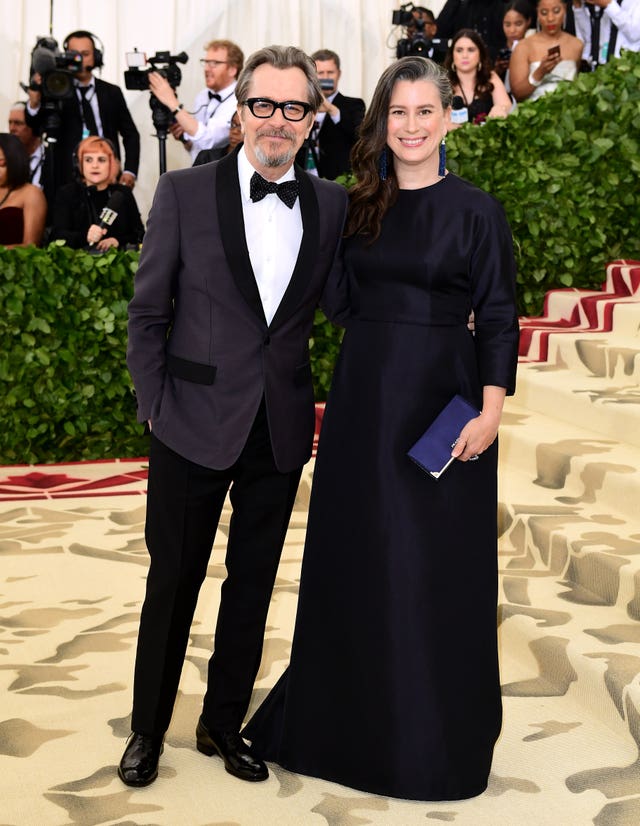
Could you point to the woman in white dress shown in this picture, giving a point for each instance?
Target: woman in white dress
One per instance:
(540, 62)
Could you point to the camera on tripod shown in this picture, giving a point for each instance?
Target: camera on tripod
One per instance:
(57, 69)
(164, 63)
(416, 42)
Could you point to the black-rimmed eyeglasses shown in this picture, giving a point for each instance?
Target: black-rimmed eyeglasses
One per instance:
(265, 107)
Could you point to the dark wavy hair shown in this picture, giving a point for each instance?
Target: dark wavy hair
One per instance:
(483, 86)
(17, 160)
(371, 197)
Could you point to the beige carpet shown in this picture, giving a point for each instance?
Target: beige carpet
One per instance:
(72, 581)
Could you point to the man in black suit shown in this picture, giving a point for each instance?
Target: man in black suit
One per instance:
(337, 121)
(237, 255)
(483, 16)
(95, 108)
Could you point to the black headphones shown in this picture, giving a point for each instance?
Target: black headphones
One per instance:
(98, 53)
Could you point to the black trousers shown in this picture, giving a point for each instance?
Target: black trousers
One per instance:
(184, 502)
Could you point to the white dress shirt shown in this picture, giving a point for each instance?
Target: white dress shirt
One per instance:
(274, 234)
(627, 19)
(36, 159)
(92, 100)
(214, 119)
(582, 17)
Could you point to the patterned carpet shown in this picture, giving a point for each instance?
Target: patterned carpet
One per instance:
(72, 582)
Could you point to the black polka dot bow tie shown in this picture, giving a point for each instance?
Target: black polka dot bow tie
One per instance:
(259, 188)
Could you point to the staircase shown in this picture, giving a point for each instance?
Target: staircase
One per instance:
(569, 514)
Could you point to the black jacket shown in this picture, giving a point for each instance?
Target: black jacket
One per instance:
(336, 140)
(116, 121)
(483, 16)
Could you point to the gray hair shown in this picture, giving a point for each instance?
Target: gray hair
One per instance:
(281, 57)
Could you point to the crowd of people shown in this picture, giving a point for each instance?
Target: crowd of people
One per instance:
(497, 53)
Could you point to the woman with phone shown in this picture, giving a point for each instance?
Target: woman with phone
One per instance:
(549, 56)
(516, 23)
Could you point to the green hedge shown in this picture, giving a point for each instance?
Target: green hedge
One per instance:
(65, 386)
(566, 168)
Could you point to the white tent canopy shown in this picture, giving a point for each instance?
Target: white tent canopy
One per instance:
(360, 31)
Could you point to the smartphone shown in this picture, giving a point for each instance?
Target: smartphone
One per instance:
(554, 51)
(504, 54)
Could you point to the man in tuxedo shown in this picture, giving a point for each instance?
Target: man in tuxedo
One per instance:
(31, 142)
(95, 108)
(237, 255)
(483, 16)
(207, 127)
(337, 121)
(624, 21)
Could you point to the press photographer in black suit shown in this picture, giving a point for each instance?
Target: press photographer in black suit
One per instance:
(337, 122)
(483, 16)
(97, 108)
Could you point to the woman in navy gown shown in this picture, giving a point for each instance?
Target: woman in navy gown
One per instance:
(393, 685)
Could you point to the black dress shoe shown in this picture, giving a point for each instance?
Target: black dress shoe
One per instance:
(237, 756)
(139, 764)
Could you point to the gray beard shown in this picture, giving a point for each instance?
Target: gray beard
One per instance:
(273, 161)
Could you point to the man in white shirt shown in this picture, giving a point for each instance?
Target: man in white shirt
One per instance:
(624, 16)
(207, 127)
(29, 139)
(237, 255)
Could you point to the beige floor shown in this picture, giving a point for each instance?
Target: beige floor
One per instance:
(72, 572)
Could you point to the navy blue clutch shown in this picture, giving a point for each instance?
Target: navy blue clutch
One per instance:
(432, 451)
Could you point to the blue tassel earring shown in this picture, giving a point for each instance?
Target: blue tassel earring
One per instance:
(382, 165)
(442, 159)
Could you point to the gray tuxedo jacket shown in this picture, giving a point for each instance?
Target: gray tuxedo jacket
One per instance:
(200, 351)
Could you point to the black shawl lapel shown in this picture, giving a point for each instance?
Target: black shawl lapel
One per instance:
(231, 221)
(308, 249)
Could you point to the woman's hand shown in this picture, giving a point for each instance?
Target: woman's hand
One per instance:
(480, 433)
(475, 437)
(547, 65)
(95, 234)
(106, 244)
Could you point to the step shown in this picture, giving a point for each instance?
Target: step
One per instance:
(574, 465)
(595, 556)
(572, 655)
(608, 407)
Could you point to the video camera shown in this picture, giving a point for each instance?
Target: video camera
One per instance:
(416, 42)
(56, 68)
(165, 64)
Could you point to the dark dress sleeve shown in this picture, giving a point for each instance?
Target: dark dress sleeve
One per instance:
(493, 284)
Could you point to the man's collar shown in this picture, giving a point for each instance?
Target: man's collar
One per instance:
(224, 93)
(246, 170)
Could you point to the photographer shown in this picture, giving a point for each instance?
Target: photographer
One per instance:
(424, 28)
(337, 122)
(30, 141)
(208, 126)
(483, 16)
(94, 108)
